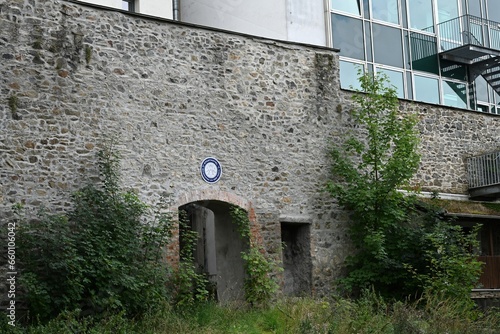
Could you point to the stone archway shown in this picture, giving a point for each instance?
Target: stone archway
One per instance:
(219, 246)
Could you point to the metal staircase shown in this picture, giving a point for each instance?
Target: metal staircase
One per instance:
(475, 42)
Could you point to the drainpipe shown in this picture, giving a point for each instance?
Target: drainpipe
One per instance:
(176, 10)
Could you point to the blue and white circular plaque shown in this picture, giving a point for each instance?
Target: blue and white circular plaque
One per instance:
(211, 170)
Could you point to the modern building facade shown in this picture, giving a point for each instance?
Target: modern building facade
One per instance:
(436, 51)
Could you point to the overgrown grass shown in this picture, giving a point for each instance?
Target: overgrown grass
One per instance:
(369, 314)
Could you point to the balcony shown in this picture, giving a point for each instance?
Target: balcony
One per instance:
(484, 176)
(468, 39)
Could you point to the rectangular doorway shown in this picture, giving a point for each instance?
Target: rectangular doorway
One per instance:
(297, 263)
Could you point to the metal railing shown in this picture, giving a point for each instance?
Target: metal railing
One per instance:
(484, 170)
(469, 29)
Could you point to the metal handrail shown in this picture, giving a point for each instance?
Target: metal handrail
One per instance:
(484, 170)
(469, 29)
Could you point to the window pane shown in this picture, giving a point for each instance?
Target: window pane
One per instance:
(368, 39)
(426, 89)
(481, 89)
(421, 14)
(385, 10)
(424, 53)
(395, 79)
(409, 85)
(497, 100)
(447, 10)
(474, 7)
(494, 10)
(349, 75)
(349, 6)
(454, 94)
(348, 36)
(387, 45)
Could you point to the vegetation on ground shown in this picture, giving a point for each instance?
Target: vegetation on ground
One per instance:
(368, 314)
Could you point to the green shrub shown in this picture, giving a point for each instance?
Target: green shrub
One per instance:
(99, 257)
(260, 285)
(187, 286)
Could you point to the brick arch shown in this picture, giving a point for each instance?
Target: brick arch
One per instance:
(201, 195)
(210, 194)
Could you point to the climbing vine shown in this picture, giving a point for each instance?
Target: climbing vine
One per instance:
(260, 284)
(187, 285)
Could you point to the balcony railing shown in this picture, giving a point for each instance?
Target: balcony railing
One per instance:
(484, 170)
(469, 30)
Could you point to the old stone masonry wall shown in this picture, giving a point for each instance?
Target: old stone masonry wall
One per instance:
(75, 77)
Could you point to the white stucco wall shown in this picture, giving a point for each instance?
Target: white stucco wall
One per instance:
(292, 20)
(160, 8)
(266, 18)
(306, 21)
(108, 3)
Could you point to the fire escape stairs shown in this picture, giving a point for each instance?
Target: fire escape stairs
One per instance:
(475, 42)
(489, 69)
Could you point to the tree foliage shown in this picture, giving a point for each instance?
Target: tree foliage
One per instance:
(390, 230)
(99, 257)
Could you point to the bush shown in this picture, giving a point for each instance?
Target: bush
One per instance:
(99, 257)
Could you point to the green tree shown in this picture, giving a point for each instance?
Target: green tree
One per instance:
(368, 168)
(396, 238)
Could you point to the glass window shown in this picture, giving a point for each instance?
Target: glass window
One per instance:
(348, 36)
(421, 15)
(348, 6)
(497, 99)
(474, 7)
(424, 53)
(454, 94)
(447, 10)
(387, 45)
(128, 5)
(426, 89)
(395, 79)
(385, 10)
(481, 89)
(451, 30)
(349, 75)
(494, 10)
(368, 39)
(409, 90)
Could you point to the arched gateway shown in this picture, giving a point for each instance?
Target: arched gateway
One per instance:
(219, 246)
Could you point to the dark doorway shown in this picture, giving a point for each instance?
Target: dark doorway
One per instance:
(218, 249)
(296, 259)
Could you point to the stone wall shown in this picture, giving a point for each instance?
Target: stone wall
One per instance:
(73, 78)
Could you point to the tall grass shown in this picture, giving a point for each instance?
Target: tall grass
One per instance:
(368, 314)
